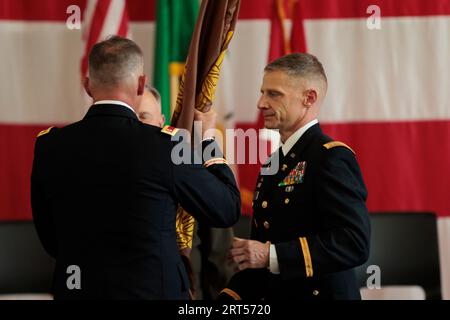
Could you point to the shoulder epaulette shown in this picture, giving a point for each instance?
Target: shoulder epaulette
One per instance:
(333, 144)
(169, 130)
(44, 132)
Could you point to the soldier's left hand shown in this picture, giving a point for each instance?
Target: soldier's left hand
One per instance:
(249, 254)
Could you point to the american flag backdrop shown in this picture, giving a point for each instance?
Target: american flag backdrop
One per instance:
(388, 96)
(101, 19)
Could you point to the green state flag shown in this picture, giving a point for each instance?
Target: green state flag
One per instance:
(175, 22)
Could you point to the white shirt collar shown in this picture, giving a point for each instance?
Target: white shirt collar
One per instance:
(287, 146)
(115, 102)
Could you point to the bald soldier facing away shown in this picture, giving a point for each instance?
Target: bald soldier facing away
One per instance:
(105, 190)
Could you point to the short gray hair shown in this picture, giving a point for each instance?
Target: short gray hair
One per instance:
(154, 92)
(114, 60)
(302, 65)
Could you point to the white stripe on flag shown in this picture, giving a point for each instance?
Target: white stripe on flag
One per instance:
(398, 73)
(246, 59)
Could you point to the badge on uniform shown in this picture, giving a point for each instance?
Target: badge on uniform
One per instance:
(295, 176)
(289, 189)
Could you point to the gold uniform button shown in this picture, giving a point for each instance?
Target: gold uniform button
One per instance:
(266, 225)
(286, 201)
(264, 204)
(316, 292)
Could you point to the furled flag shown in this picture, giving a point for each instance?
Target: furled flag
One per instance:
(212, 35)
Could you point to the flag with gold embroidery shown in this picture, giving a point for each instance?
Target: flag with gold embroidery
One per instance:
(213, 32)
(212, 35)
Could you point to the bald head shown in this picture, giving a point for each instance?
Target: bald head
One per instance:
(149, 110)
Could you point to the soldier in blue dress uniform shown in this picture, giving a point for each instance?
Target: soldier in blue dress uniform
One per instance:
(310, 225)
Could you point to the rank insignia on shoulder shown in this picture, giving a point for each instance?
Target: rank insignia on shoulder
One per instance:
(169, 130)
(43, 132)
(295, 176)
(333, 144)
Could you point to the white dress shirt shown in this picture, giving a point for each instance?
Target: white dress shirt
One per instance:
(285, 148)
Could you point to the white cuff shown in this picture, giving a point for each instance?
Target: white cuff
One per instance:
(273, 260)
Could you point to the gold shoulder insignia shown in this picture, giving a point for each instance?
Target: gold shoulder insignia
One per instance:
(333, 144)
(169, 130)
(231, 293)
(44, 132)
(212, 161)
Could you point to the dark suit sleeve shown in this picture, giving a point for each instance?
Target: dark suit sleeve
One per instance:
(209, 193)
(42, 218)
(342, 241)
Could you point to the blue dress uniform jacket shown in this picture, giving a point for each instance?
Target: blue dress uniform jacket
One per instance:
(313, 210)
(104, 198)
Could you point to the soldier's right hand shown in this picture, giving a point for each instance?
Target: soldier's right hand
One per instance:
(208, 120)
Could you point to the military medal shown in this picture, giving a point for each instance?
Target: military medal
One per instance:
(295, 176)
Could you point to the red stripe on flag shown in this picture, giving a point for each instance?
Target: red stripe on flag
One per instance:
(42, 10)
(16, 159)
(98, 18)
(384, 151)
(298, 39)
(406, 165)
(123, 28)
(55, 10)
(144, 10)
(279, 43)
(330, 9)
